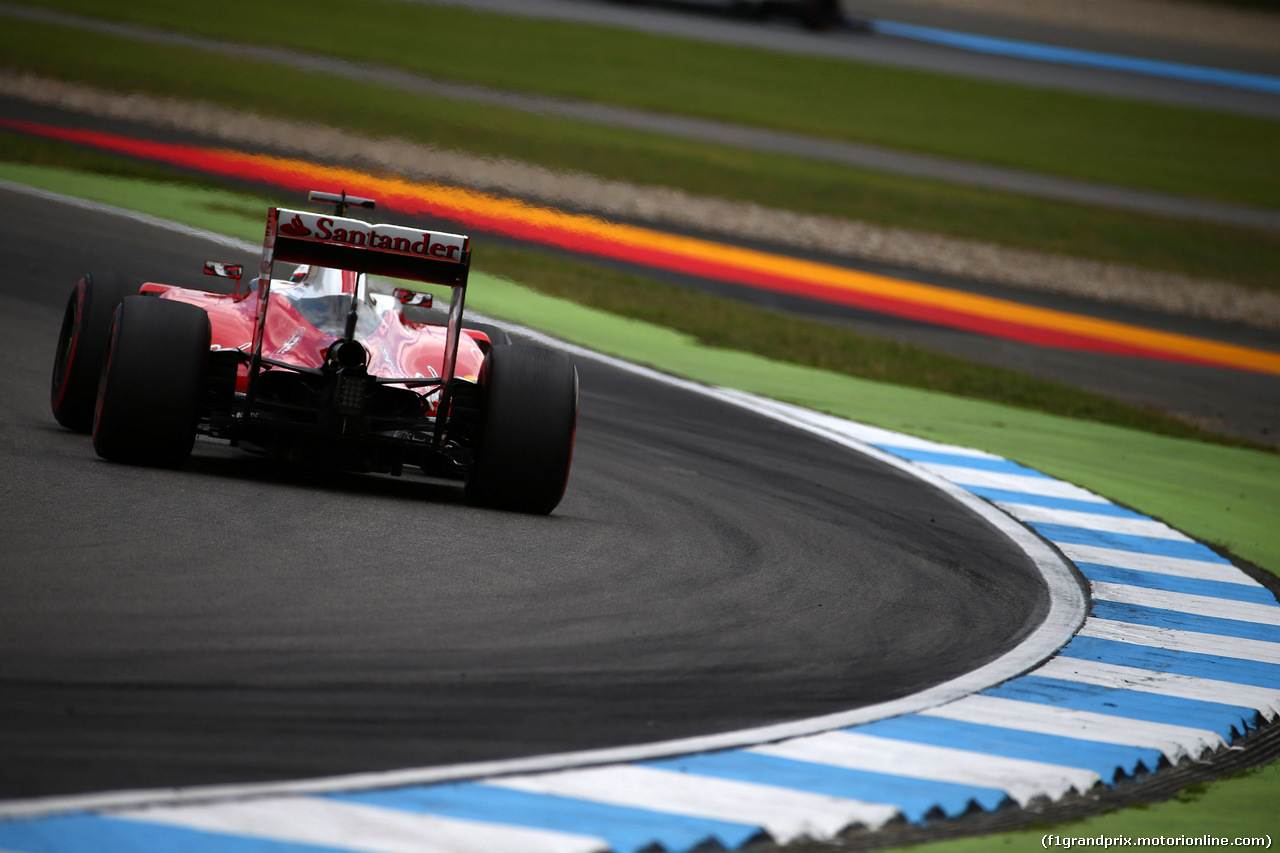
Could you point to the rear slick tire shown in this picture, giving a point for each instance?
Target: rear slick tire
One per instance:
(86, 325)
(529, 415)
(153, 382)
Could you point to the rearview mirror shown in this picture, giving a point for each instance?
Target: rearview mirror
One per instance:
(223, 270)
(413, 297)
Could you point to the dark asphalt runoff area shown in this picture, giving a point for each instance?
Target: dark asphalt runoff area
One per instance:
(238, 620)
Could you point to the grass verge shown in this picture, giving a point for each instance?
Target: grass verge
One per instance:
(1198, 249)
(1240, 807)
(727, 324)
(716, 321)
(1223, 495)
(1124, 142)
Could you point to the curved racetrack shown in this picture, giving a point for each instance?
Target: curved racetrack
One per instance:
(237, 620)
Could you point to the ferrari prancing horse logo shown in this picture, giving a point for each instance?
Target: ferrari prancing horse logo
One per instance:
(295, 228)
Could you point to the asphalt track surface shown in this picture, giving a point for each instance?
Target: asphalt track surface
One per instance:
(239, 621)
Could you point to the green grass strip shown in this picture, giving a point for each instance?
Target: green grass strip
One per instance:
(1223, 495)
(731, 324)
(1240, 807)
(1247, 256)
(1124, 142)
(724, 323)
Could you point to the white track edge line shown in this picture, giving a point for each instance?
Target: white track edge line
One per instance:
(1067, 610)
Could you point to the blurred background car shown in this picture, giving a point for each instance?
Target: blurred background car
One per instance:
(814, 14)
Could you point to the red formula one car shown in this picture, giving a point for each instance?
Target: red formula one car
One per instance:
(324, 365)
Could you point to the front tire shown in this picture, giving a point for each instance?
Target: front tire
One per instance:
(153, 382)
(529, 416)
(86, 325)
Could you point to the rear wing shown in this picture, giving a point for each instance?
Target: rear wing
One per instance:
(411, 254)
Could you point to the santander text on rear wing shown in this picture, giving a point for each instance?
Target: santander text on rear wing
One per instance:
(411, 254)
